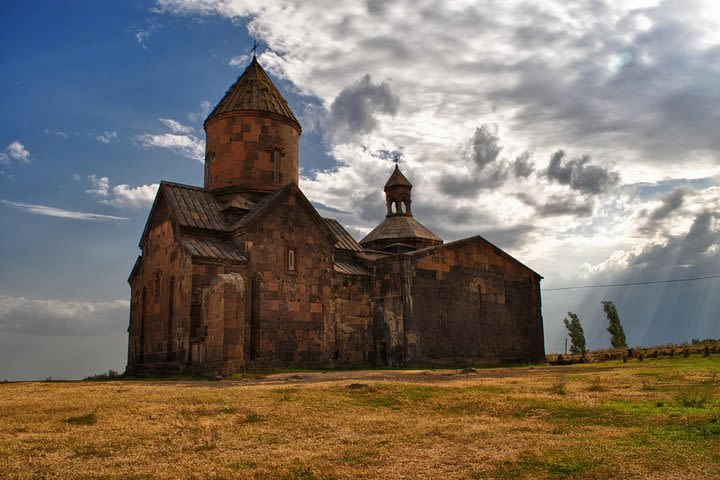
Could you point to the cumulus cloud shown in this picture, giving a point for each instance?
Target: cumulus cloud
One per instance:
(669, 204)
(59, 212)
(17, 151)
(107, 137)
(100, 186)
(354, 111)
(239, 61)
(579, 175)
(175, 126)
(4, 159)
(123, 195)
(186, 145)
(53, 317)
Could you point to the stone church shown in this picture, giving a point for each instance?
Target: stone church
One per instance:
(244, 273)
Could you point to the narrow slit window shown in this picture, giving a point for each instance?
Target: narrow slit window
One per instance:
(276, 165)
(291, 260)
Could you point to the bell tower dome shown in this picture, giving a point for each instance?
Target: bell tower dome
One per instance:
(399, 232)
(397, 194)
(252, 139)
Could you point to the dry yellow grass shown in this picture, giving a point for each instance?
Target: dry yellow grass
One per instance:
(655, 419)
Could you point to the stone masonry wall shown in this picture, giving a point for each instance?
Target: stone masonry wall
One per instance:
(352, 319)
(159, 317)
(223, 315)
(291, 313)
(391, 307)
(239, 152)
(471, 304)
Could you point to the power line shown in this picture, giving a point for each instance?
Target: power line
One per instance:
(676, 280)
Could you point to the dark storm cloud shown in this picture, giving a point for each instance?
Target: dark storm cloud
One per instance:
(601, 86)
(375, 7)
(558, 205)
(579, 175)
(459, 186)
(486, 145)
(509, 237)
(670, 204)
(371, 207)
(523, 167)
(485, 170)
(688, 252)
(354, 109)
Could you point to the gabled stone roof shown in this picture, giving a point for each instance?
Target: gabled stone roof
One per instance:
(193, 206)
(345, 240)
(254, 91)
(190, 206)
(350, 269)
(211, 249)
(399, 228)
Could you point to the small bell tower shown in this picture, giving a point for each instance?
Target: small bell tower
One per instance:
(398, 194)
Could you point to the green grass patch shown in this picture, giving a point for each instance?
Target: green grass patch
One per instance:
(530, 466)
(394, 397)
(696, 397)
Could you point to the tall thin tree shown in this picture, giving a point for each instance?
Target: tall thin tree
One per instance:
(575, 331)
(615, 329)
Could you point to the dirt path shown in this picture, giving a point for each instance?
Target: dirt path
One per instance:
(403, 376)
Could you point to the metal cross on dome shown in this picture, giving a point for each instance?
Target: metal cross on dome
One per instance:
(254, 49)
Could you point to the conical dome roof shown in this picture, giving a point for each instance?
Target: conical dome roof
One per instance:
(397, 178)
(400, 229)
(254, 91)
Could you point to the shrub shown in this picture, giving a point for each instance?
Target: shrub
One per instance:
(103, 376)
(693, 398)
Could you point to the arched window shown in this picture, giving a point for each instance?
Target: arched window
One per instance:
(276, 165)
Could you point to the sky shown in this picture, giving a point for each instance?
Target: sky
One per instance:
(581, 137)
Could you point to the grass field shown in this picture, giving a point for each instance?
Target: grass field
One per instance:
(654, 419)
